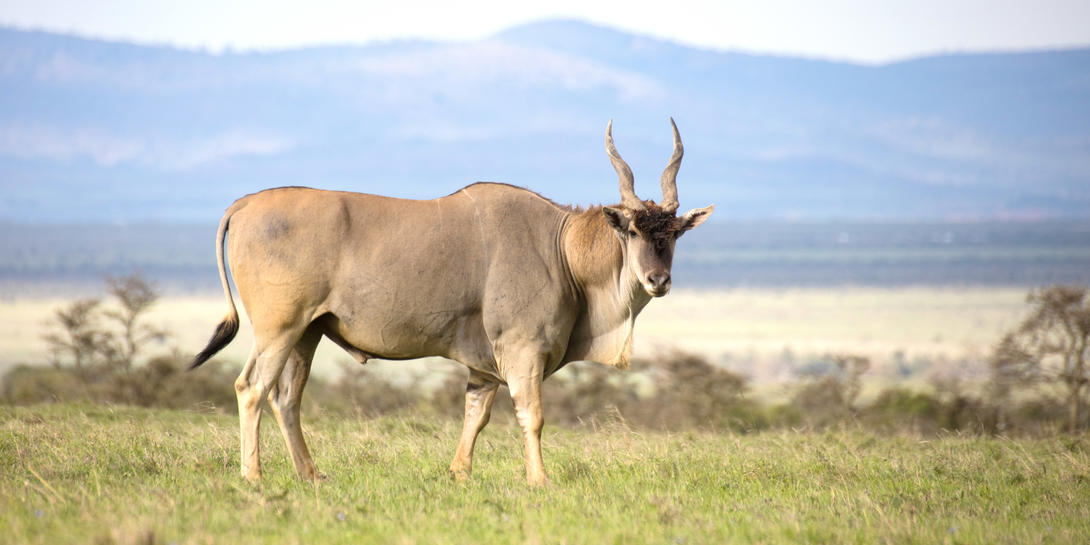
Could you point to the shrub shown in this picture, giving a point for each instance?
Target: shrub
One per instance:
(900, 408)
(828, 396)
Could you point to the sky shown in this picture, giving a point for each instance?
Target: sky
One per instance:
(865, 31)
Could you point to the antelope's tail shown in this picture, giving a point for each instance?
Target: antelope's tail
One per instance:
(227, 327)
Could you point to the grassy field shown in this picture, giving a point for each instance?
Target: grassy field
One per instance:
(752, 327)
(83, 474)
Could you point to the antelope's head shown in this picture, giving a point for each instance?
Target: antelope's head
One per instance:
(648, 230)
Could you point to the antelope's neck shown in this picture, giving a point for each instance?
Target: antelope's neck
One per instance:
(611, 294)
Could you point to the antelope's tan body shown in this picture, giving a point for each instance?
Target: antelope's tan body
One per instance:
(496, 277)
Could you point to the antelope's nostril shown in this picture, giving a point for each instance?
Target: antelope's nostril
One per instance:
(658, 280)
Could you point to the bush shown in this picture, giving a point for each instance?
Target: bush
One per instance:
(691, 392)
(29, 384)
(900, 408)
(828, 394)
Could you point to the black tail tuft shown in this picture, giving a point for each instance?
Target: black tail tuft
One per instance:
(225, 331)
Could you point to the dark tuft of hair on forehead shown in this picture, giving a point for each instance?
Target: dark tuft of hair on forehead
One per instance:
(654, 222)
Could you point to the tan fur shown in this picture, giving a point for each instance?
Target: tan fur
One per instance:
(593, 251)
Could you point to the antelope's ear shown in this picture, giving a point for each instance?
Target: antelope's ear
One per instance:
(617, 218)
(693, 218)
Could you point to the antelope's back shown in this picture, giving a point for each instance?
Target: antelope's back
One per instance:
(415, 272)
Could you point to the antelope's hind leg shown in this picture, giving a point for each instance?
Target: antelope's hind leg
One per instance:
(285, 397)
(260, 374)
(480, 392)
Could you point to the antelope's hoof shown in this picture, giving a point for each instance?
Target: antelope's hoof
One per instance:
(459, 475)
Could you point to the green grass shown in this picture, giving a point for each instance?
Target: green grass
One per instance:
(87, 474)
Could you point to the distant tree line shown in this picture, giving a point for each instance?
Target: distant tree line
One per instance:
(1038, 380)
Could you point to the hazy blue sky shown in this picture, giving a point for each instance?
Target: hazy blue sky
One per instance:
(859, 30)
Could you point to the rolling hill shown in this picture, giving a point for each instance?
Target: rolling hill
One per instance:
(95, 131)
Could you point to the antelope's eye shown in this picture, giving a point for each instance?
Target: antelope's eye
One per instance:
(632, 232)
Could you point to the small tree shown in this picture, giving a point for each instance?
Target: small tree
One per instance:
(77, 340)
(851, 368)
(135, 296)
(103, 352)
(1050, 346)
(102, 343)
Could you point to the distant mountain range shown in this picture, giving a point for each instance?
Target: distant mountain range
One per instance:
(95, 131)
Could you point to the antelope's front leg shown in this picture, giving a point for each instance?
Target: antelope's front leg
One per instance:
(526, 393)
(480, 392)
